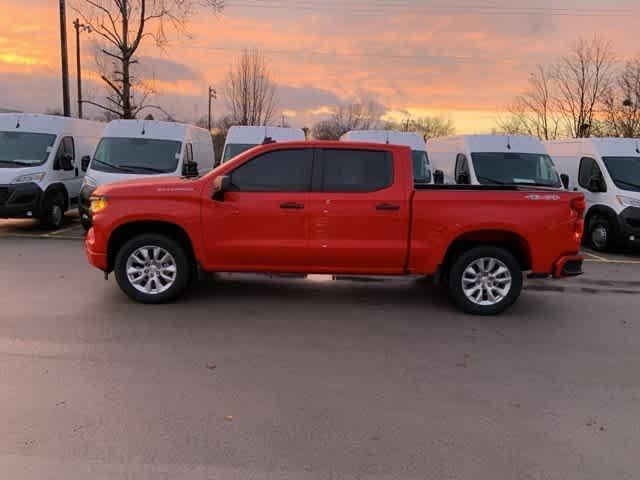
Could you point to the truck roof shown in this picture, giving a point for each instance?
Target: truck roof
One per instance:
(604, 147)
(409, 139)
(149, 129)
(41, 123)
(488, 143)
(246, 134)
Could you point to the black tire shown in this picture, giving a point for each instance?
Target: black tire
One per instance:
(53, 209)
(465, 260)
(601, 235)
(184, 268)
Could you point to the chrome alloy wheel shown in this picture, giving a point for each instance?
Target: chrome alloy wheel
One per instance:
(151, 270)
(486, 281)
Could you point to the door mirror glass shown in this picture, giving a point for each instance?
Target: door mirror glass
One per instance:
(565, 180)
(438, 177)
(221, 185)
(84, 162)
(190, 169)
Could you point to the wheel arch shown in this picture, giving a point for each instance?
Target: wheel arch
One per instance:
(53, 189)
(600, 211)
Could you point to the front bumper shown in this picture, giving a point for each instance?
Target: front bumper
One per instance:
(84, 203)
(96, 258)
(629, 225)
(568, 266)
(23, 200)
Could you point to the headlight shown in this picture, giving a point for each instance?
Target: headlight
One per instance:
(98, 204)
(29, 178)
(88, 181)
(628, 201)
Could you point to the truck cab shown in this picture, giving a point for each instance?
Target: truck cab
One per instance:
(132, 149)
(40, 171)
(493, 160)
(421, 168)
(607, 171)
(241, 138)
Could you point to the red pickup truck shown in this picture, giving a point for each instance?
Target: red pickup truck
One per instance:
(333, 207)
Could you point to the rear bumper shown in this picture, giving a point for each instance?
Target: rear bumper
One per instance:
(568, 266)
(23, 200)
(96, 258)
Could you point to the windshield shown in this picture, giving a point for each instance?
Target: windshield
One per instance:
(136, 155)
(421, 170)
(625, 172)
(19, 149)
(233, 149)
(515, 168)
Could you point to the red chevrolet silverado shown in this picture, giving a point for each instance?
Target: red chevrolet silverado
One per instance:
(333, 207)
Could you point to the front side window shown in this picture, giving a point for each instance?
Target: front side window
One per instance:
(421, 168)
(497, 168)
(624, 171)
(136, 155)
(66, 148)
(19, 149)
(357, 170)
(276, 171)
(234, 149)
(588, 169)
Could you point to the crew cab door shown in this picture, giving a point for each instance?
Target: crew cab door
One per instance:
(359, 212)
(262, 223)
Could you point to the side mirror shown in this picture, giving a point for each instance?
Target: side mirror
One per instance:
(438, 177)
(84, 163)
(463, 179)
(190, 169)
(564, 178)
(596, 184)
(65, 162)
(221, 184)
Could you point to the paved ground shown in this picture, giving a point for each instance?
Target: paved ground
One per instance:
(253, 378)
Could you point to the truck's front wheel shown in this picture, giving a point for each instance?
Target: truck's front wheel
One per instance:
(485, 280)
(152, 268)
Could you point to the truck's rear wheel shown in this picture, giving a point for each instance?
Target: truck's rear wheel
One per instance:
(152, 268)
(485, 280)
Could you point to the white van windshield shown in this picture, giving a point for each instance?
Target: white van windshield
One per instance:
(625, 172)
(19, 149)
(421, 170)
(496, 168)
(136, 155)
(233, 149)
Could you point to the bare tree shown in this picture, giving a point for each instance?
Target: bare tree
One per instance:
(364, 114)
(582, 78)
(622, 102)
(123, 25)
(427, 127)
(250, 90)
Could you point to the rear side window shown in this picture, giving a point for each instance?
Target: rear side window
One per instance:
(588, 168)
(357, 170)
(277, 171)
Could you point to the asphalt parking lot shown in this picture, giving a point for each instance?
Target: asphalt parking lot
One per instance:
(249, 377)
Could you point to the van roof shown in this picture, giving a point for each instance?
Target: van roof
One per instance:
(604, 147)
(40, 123)
(256, 134)
(409, 139)
(492, 143)
(149, 129)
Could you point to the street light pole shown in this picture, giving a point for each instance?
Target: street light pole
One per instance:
(66, 103)
(78, 26)
(212, 96)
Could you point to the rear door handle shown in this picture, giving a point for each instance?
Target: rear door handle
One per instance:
(292, 205)
(387, 206)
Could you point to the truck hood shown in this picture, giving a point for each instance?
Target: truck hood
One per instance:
(152, 187)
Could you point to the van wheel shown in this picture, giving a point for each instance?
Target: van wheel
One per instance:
(152, 268)
(485, 280)
(601, 235)
(53, 211)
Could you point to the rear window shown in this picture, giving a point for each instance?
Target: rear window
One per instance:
(357, 170)
(421, 169)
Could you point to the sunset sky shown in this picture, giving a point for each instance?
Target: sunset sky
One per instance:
(462, 59)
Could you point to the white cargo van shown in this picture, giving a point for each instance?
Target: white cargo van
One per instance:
(241, 138)
(130, 149)
(493, 160)
(421, 167)
(607, 171)
(40, 174)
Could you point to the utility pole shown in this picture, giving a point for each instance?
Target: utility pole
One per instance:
(86, 28)
(212, 96)
(66, 103)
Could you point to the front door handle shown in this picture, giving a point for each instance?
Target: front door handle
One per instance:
(387, 206)
(292, 205)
